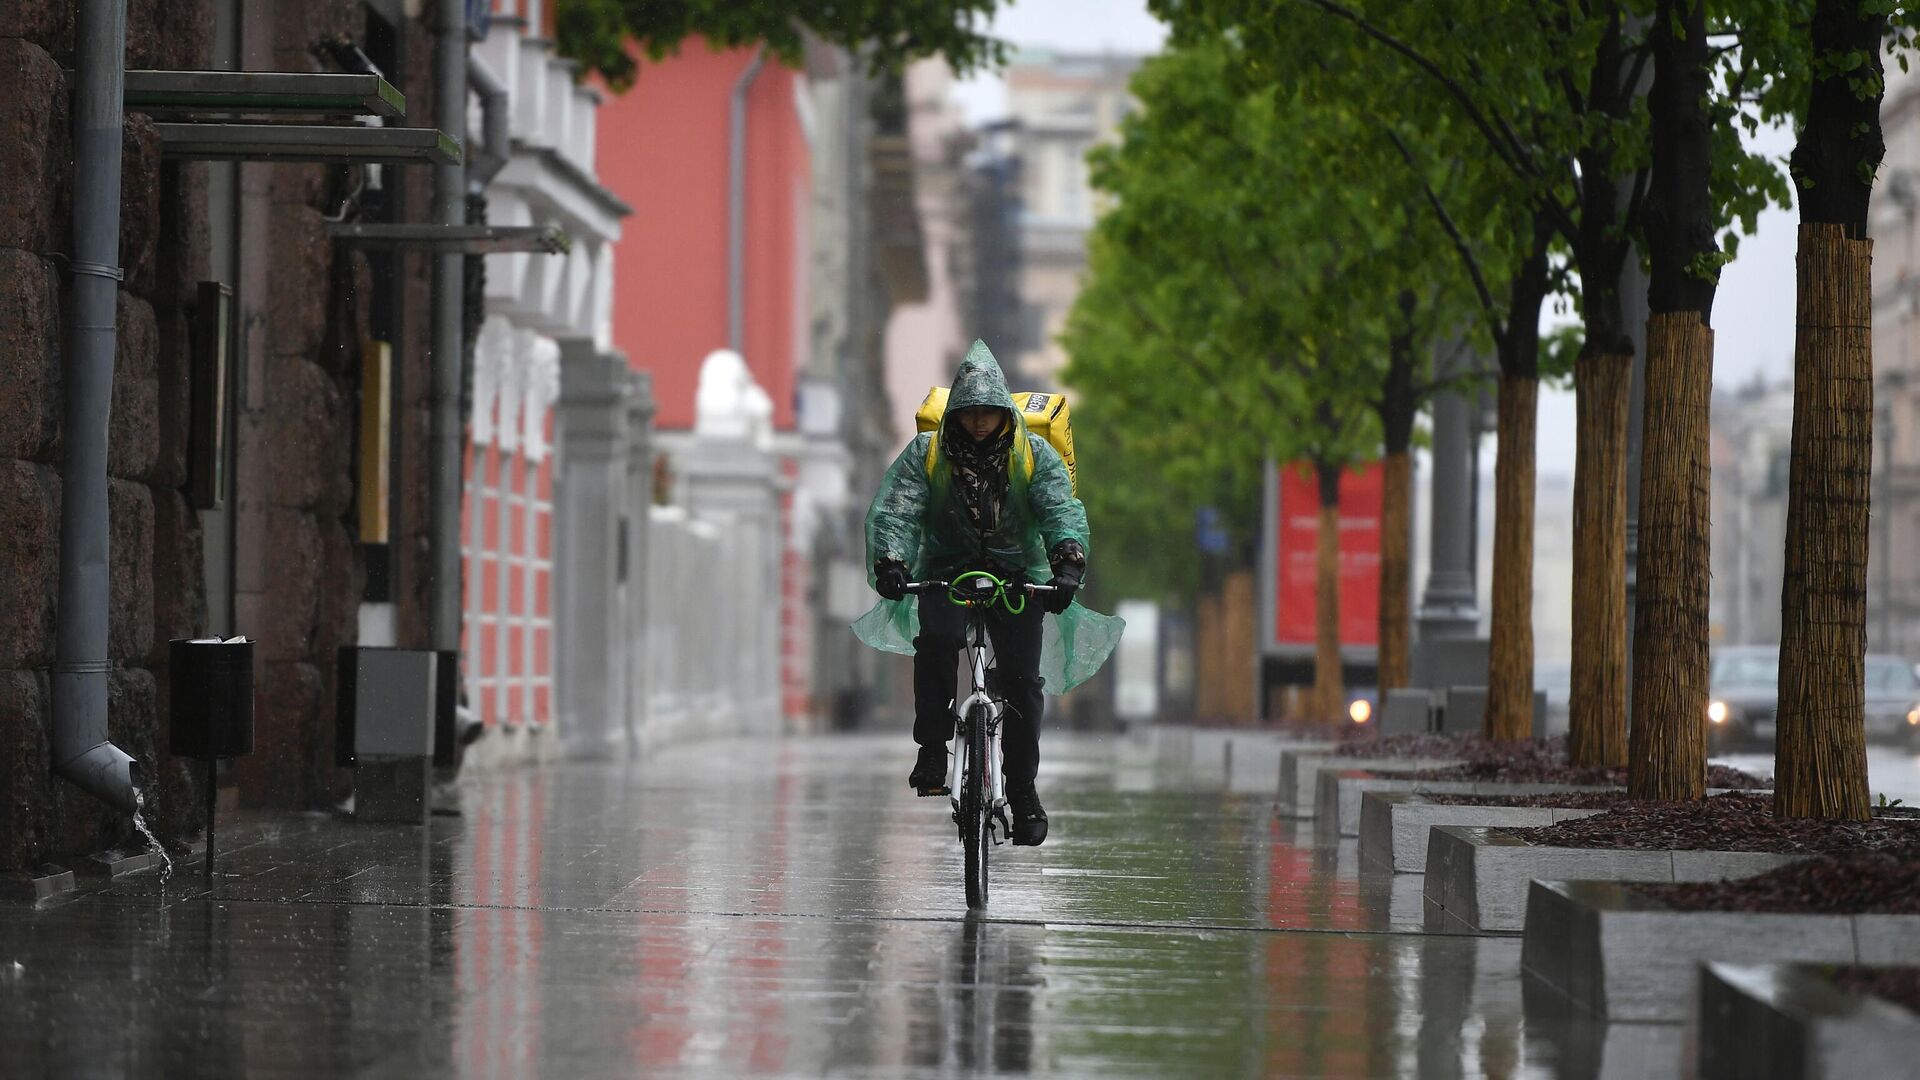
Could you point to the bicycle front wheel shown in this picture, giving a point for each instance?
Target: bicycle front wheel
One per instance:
(975, 835)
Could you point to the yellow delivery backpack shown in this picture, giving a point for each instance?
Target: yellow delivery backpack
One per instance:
(1046, 416)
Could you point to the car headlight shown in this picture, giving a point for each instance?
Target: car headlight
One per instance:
(1717, 712)
(1913, 716)
(1361, 711)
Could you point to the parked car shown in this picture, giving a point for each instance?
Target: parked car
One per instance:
(1743, 688)
(1893, 699)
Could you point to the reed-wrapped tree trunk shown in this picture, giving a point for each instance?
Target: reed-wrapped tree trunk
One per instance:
(1670, 658)
(1329, 690)
(1509, 714)
(1596, 696)
(1669, 738)
(1396, 569)
(1821, 766)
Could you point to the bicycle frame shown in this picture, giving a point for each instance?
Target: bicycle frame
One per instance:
(988, 590)
(995, 776)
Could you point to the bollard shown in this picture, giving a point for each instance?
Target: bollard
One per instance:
(211, 707)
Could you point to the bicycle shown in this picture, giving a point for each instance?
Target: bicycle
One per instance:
(976, 783)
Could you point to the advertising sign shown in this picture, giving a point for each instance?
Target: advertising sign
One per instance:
(1295, 524)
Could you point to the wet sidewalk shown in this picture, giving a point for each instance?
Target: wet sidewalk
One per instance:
(785, 908)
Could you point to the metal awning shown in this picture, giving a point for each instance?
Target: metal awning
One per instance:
(467, 239)
(306, 142)
(322, 93)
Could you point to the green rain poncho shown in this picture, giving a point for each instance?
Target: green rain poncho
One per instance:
(916, 519)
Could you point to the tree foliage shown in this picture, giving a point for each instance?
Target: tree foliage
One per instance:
(599, 33)
(1245, 294)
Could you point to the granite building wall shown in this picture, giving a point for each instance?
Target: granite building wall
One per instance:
(304, 306)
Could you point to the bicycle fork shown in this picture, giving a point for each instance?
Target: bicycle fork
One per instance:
(995, 778)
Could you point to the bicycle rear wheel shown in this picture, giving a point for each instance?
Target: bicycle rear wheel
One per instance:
(975, 836)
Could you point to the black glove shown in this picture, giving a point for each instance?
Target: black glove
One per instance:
(1069, 562)
(890, 579)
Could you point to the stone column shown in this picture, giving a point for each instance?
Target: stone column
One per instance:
(1448, 607)
(640, 459)
(735, 485)
(590, 496)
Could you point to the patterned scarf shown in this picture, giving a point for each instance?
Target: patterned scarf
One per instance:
(980, 473)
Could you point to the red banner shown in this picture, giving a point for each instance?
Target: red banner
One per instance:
(1296, 568)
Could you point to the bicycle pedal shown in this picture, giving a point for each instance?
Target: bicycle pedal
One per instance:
(929, 792)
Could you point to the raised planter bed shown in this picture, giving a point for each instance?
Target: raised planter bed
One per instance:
(1798, 1022)
(1300, 775)
(1337, 807)
(1477, 876)
(1617, 954)
(1394, 825)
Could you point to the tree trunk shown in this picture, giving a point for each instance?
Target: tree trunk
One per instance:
(1509, 714)
(1669, 737)
(1821, 762)
(1670, 654)
(1396, 570)
(1328, 691)
(1596, 699)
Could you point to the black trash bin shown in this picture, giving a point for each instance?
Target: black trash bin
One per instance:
(212, 699)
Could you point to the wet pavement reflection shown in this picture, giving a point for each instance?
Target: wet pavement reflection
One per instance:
(780, 908)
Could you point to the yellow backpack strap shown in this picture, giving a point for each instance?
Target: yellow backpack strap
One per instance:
(933, 451)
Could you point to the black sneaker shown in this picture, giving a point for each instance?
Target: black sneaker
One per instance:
(1029, 817)
(929, 776)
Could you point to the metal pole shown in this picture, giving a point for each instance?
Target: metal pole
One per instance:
(212, 795)
(737, 204)
(1636, 309)
(449, 306)
(81, 750)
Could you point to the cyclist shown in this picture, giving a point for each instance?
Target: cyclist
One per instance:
(981, 493)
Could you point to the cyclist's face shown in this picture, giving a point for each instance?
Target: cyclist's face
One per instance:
(980, 421)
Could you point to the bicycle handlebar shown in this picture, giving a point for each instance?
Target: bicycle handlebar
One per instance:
(935, 586)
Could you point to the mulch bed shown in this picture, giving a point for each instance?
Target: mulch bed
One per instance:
(1730, 822)
(1559, 800)
(1360, 742)
(1863, 882)
(1544, 761)
(1899, 985)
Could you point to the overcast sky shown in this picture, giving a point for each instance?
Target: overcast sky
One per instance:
(1752, 317)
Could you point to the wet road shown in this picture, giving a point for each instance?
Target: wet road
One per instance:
(786, 908)
(1893, 772)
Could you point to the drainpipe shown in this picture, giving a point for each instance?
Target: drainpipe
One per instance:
(449, 307)
(737, 204)
(496, 137)
(81, 752)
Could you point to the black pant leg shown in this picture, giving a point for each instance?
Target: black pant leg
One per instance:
(1016, 650)
(935, 676)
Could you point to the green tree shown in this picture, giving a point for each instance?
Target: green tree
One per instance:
(603, 34)
(1292, 328)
